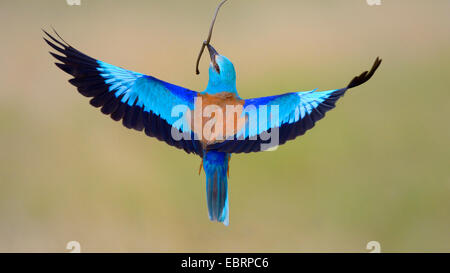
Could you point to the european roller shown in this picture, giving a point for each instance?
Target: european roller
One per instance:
(213, 124)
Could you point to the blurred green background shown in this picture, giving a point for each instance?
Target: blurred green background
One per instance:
(376, 168)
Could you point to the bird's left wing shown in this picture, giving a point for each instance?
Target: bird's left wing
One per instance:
(142, 102)
(271, 121)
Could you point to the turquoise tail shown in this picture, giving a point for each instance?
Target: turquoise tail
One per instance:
(216, 167)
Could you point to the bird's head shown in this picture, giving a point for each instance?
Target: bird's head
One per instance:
(222, 76)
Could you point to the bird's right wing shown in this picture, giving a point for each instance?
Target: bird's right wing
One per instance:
(271, 121)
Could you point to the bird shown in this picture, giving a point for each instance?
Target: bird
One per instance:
(198, 121)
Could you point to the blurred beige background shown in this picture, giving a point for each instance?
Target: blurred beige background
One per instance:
(376, 168)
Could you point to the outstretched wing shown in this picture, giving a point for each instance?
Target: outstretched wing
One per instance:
(271, 121)
(142, 102)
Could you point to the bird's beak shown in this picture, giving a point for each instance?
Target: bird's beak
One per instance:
(213, 54)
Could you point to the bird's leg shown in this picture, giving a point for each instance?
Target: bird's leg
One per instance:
(200, 169)
(228, 167)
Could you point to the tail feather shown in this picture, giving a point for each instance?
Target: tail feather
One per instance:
(216, 166)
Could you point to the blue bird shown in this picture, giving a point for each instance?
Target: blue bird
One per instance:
(199, 122)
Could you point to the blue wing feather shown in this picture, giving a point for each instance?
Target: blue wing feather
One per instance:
(142, 102)
(297, 113)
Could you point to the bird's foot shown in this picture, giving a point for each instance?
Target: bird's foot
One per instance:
(200, 169)
(228, 167)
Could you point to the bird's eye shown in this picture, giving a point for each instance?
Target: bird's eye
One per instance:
(215, 64)
(216, 67)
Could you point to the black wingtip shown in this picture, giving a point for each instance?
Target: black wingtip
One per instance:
(365, 76)
(62, 43)
(59, 36)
